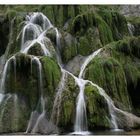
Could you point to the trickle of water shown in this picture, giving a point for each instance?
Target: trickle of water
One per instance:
(131, 28)
(36, 59)
(110, 103)
(87, 61)
(58, 44)
(57, 101)
(1, 97)
(4, 74)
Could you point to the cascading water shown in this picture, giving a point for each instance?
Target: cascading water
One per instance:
(101, 91)
(57, 101)
(34, 32)
(81, 117)
(33, 114)
(89, 58)
(30, 32)
(130, 28)
(58, 47)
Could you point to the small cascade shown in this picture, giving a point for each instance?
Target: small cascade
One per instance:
(40, 19)
(131, 28)
(101, 91)
(33, 117)
(110, 103)
(87, 61)
(58, 46)
(30, 32)
(4, 74)
(57, 101)
(81, 117)
(34, 31)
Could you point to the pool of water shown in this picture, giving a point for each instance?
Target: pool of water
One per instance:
(86, 133)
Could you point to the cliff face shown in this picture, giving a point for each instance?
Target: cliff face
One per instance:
(40, 86)
(130, 10)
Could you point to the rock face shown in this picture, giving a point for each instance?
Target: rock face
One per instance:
(130, 10)
(40, 94)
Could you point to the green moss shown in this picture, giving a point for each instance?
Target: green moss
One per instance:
(51, 77)
(67, 110)
(10, 14)
(20, 80)
(36, 50)
(109, 74)
(69, 47)
(97, 109)
(14, 114)
(116, 22)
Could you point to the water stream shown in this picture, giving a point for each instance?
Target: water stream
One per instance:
(36, 25)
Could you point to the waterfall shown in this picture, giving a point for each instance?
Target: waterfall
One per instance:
(58, 46)
(33, 117)
(1, 97)
(33, 32)
(30, 32)
(110, 103)
(41, 19)
(81, 117)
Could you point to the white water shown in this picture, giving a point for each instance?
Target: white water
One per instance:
(81, 117)
(37, 25)
(87, 61)
(38, 31)
(38, 17)
(110, 103)
(1, 97)
(130, 28)
(27, 30)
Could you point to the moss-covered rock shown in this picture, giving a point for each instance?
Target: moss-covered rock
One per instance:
(83, 22)
(65, 118)
(14, 114)
(22, 78)
(69, 47)
(116, 22)
(4, 33)
(109, 74)
(15, 35)
(117, 71)
(51, 77)
(98, 116)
